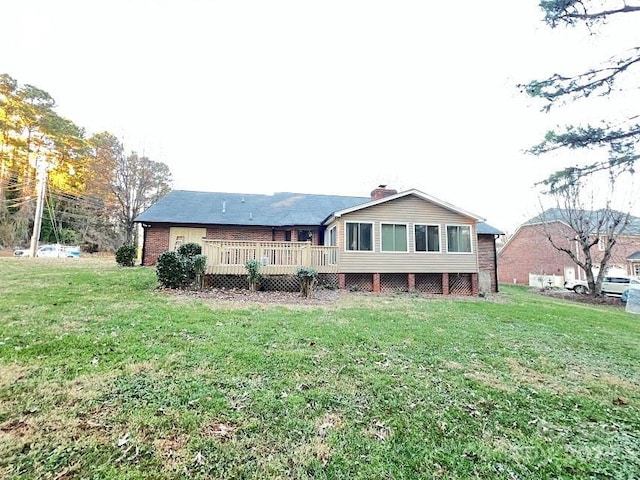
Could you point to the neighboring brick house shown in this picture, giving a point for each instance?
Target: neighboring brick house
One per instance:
(529, 251)
(389, 240)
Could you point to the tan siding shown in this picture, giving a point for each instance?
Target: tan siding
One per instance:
(407, 210)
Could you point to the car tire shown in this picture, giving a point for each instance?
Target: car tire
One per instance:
(580, 289)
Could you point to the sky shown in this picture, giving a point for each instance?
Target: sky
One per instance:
(331, 97)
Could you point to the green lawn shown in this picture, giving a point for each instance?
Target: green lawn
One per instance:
(101, 376)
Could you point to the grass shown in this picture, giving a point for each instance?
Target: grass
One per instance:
(103, 377)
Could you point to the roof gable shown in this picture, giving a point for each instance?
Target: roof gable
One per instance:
(413, 192)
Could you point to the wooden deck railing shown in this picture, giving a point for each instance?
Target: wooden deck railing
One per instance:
(277, 258)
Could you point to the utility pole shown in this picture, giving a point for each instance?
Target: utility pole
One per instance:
(42, 169)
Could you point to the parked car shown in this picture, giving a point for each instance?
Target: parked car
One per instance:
(578, 286)
(618, 284)
(51, 251)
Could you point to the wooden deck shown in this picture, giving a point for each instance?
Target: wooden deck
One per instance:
(226, 257)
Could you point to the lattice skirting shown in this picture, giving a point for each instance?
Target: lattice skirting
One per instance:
(328, 280)
(226, 281)
(429, 283)
(279, 283)
(394, 282)
(460, 284)
(359, 282)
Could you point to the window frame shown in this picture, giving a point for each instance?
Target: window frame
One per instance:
(331, 238)
(459, 225)
(602, 243)
(346, 236)
(426, 239)
(406, 237)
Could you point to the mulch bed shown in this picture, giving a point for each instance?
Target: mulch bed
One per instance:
(328, 297)
(575, 297)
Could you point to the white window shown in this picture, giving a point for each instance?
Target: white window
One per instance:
(331, 239)
(393, 237)
(458, 239)
(427, 238)
(359, 236)
(602, 242)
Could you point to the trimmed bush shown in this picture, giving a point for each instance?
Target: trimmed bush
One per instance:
(126, 255)
(170, 270)
(189, 250)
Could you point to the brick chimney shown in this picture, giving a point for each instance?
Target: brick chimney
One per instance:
(381, 192)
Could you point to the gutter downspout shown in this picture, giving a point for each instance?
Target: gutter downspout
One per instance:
(144, 244)
(495, 261)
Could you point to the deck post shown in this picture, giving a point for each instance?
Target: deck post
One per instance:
(342, 281)
(306, 254)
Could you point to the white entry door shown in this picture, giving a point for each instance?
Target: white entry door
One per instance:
(569, 273)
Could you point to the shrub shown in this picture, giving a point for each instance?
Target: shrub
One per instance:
(182, 267)
(189, 250)
(126, 255)
(170, 270)
(308, 277)
(253, 267)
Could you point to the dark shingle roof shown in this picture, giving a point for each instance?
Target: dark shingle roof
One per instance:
(279, 209)
(184, 207)
(634, 256)
(485, 229)
(592, 216)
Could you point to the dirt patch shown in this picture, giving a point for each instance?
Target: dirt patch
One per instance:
(12, 373)
(237, 297)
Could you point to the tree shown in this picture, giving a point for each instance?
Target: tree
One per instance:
(127, 184)
(31, 132)
(138, 183)
(594, 232)
(619, 137)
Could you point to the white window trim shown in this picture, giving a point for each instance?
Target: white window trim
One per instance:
(439, 237)
(327, 237)
(446, 237)
(406, 234)
(373, 238)
(602, 241)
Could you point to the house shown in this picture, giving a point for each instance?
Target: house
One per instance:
(529, 251)
(385, 242)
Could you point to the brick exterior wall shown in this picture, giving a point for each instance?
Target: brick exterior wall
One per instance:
(487, 259)
(529, 251)
(625, 247)
(156, 241)
(257, 234)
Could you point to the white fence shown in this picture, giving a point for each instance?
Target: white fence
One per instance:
(546, 281)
